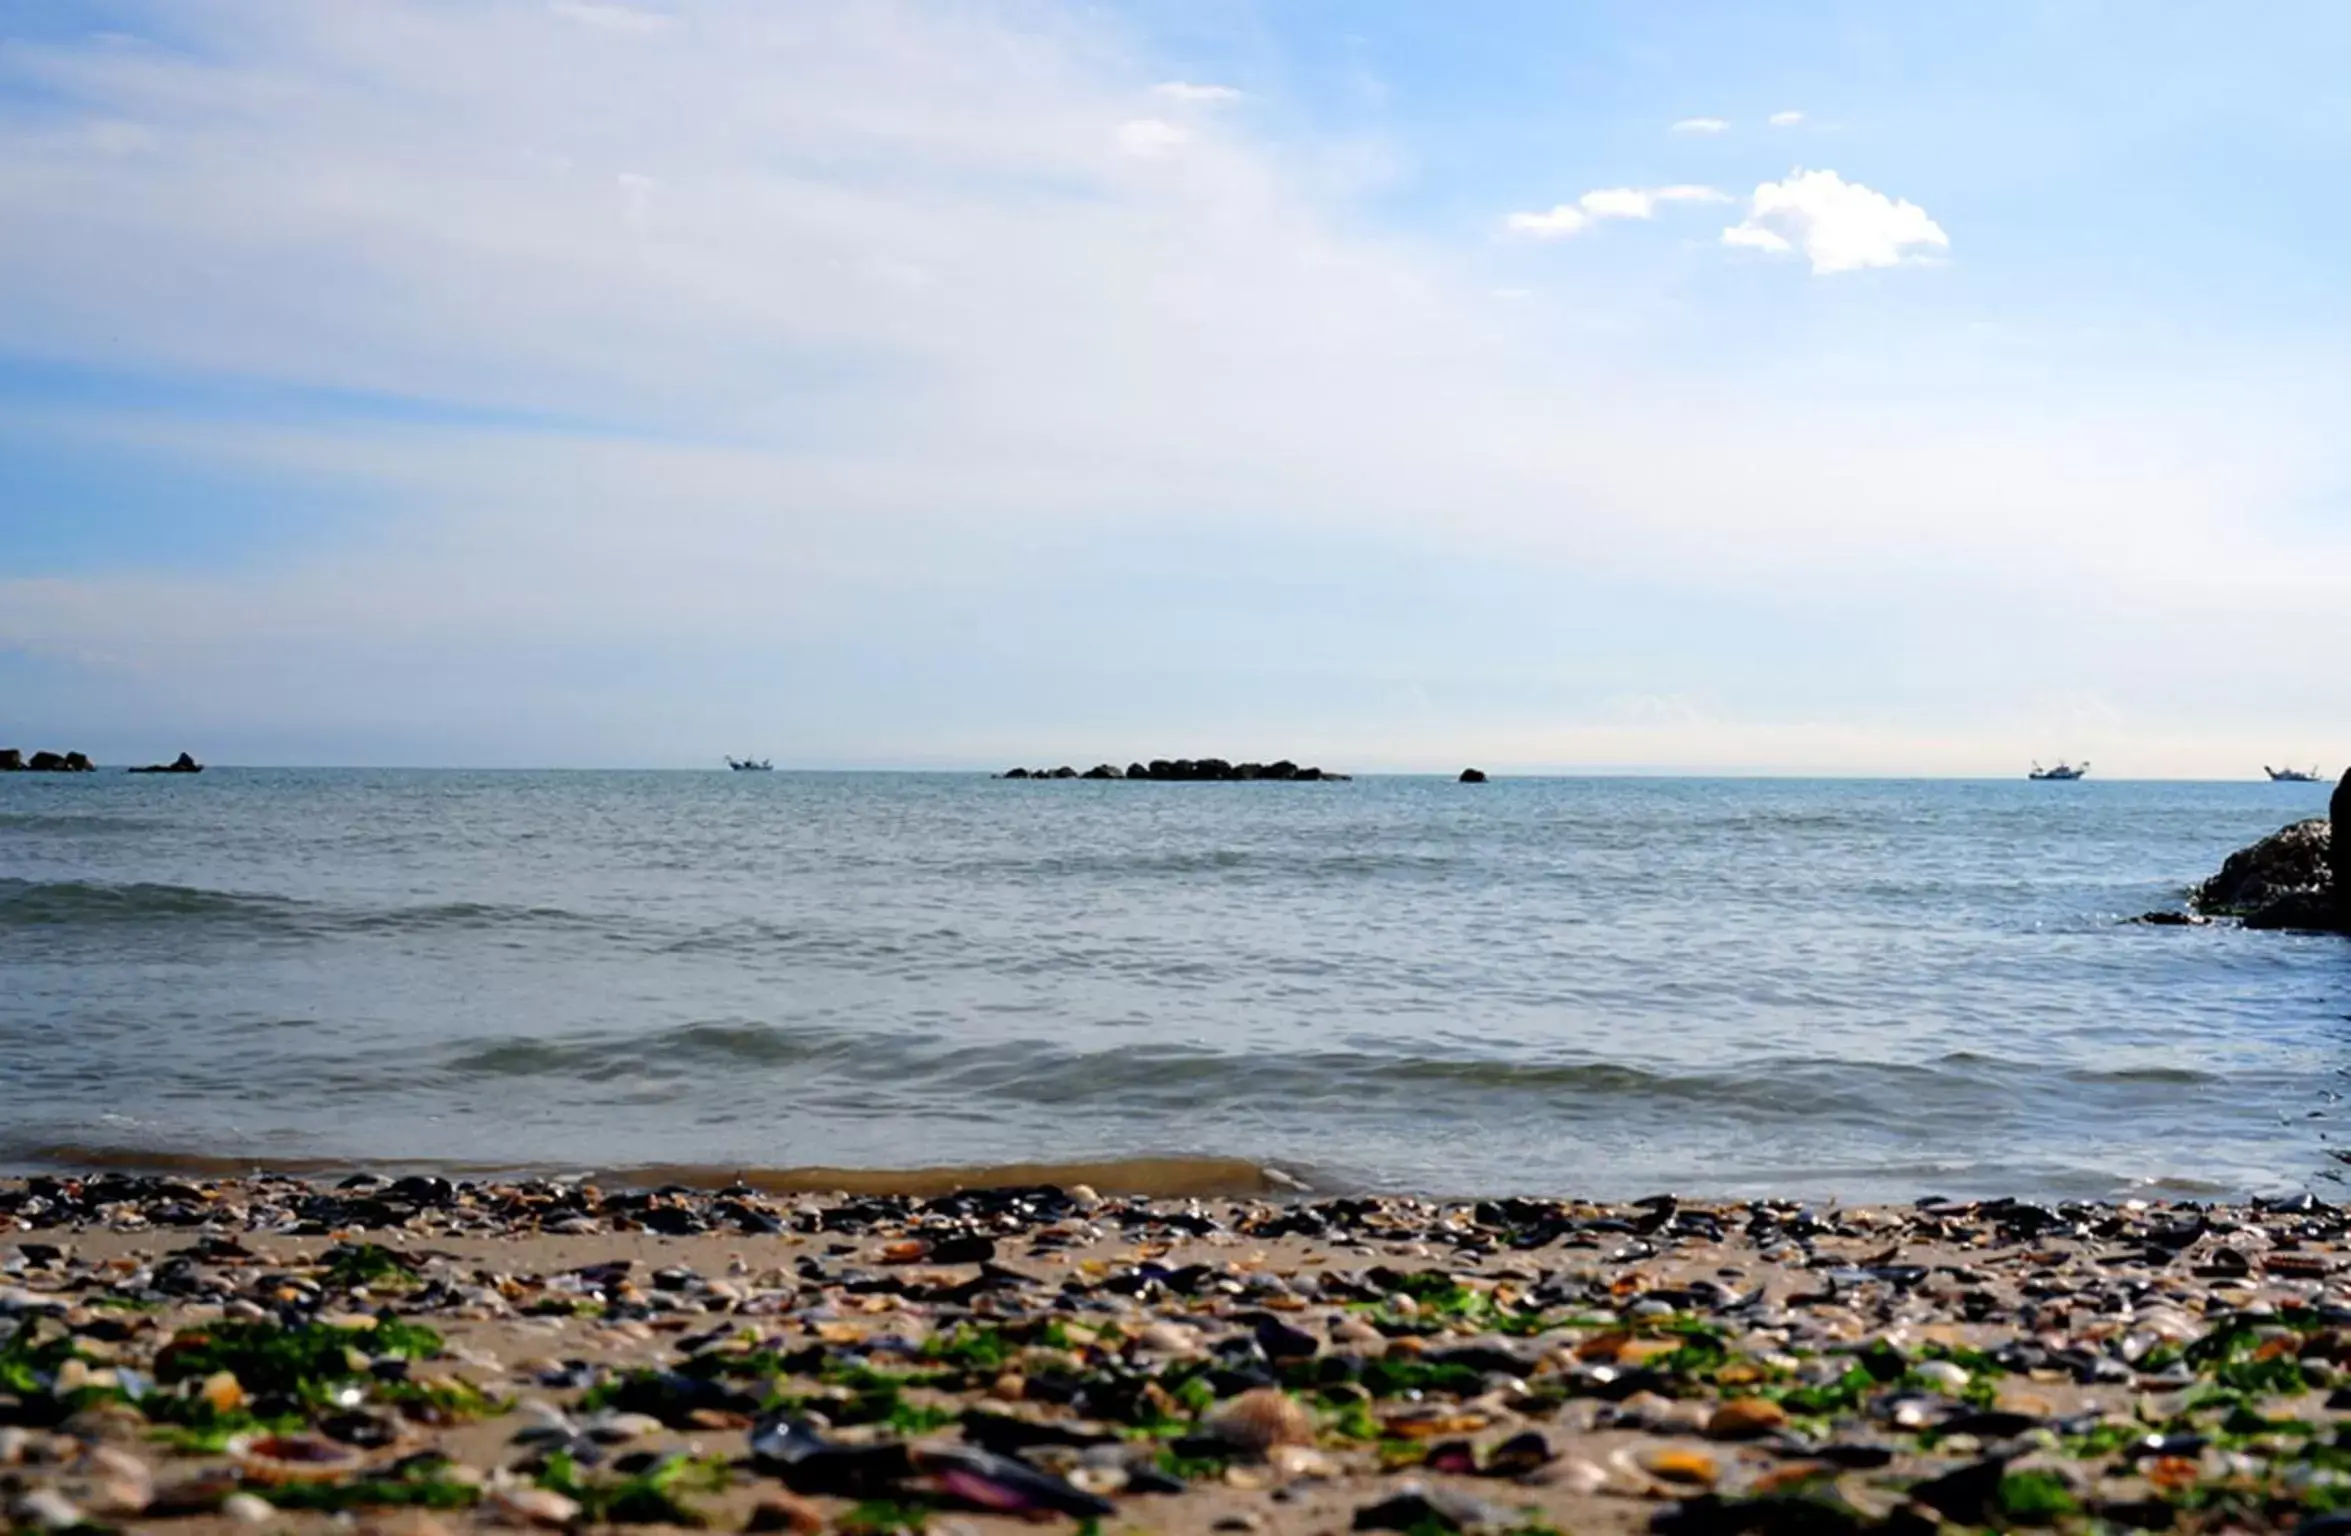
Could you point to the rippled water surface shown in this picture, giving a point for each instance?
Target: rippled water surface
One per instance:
(1566, 985)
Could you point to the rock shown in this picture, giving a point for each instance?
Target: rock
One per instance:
(2339, 851)
(248, 1509)
(2290, 861)
(1205, 770)
(2172, 919)
(1472, 776)
(11, 760)
(54, 762)
(2298, 912)
(181, 764)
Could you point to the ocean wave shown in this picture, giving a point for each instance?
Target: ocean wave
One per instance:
(909, 1069)
(96, 905)
(673, 1052)
(1157, 1177)
(82, 903)
(74, 821)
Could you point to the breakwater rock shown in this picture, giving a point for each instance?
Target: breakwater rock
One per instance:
(1472, 776)
(181, 764)
(2294, 879)
(13, 760)
(1188, 770)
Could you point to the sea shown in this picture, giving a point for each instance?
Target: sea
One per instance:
(1849, 989)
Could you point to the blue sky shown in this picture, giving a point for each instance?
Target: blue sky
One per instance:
(1718, 387)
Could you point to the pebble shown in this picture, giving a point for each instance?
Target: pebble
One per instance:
(248, 1509)
(536, 1506)
(47, 1509)
(1942, 1373)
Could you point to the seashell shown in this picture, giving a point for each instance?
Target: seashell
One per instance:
(786, 1512)
(1682, 1464)
(1301, 1462)
(1945, 1375)
(1519, 1456)
(535, 1506)
(988, 1481)
(1260, 1419)
(1744, 1418)
(1582, 1477)
(1166, 1338)
(282, 1459)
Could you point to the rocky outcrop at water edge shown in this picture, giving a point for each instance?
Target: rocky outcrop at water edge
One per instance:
(2292, 880)
(13, 760)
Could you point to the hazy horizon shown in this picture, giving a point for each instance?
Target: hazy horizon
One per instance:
(1882, 390)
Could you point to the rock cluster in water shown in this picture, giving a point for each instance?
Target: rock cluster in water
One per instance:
(1187, 770)
(1472, 776)
(13, 760)
(181, 764)
(2298, 878)
(558, 1355)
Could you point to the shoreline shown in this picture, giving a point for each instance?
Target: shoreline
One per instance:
(430, 1354)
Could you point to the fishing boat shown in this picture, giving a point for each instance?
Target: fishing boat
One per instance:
(2290, 775)
(750, 765)
(2062, 773)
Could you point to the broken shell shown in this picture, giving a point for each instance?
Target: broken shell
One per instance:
(280, 1459)
(1743, 1418)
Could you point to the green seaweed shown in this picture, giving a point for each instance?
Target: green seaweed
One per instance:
(656, 1496)
(424, 1485)
(304, 1361)
(369, 1264)
(2035, 1498)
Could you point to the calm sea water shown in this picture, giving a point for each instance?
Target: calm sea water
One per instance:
(1872, 989)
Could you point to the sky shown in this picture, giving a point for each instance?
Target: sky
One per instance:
(1871, 388)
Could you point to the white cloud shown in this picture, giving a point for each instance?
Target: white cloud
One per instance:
(1605, 203)
(1149, 136)
(1786, 119)
(1841, 226)
(1188, 94)
(912, 364)
(1555, 224)
(609, 18)
(1702, 125)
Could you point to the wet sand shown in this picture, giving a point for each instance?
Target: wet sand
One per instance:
(214, 1354)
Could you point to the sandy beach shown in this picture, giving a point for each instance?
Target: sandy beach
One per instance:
(418, 1354)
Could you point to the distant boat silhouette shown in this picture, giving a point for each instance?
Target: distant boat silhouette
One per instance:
(750, 765)
(2062, 773)
(2290, 775)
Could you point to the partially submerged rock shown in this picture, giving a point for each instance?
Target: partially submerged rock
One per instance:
(13, 760)
(1213, 770)
(181, 764)
(2293, 880)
